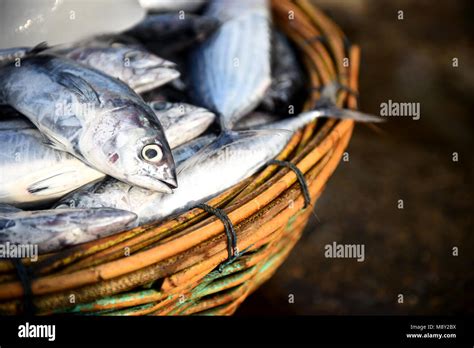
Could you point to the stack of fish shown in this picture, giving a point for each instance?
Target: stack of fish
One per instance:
(94, 143)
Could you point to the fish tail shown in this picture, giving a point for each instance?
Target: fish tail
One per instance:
(343, 114)
(326, 106)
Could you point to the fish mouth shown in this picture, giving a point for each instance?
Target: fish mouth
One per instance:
(119, 217)
(172, 183)
(128, 219)
(162, 185)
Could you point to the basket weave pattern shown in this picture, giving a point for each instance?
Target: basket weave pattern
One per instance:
(171, 268)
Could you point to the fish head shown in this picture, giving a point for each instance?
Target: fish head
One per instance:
(147, 71)
(135, 149)
(181, 113)
(182, 122)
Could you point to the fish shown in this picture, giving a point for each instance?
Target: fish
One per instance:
(182, 122)
(138, 68)
(109, 188)
(171, 5)
(121, 58)
(230, 71)
(54, 229)
(169, 33)
(225, 90)
(33, 173)
(92, 116)
(287, 76)
(215, 168)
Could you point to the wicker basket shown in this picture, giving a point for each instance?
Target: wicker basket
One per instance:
(172, 267)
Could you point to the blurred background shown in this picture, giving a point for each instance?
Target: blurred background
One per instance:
(407, 251)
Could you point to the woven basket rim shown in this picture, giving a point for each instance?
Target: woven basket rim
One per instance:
(184, 250)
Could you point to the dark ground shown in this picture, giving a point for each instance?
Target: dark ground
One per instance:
(407, 251)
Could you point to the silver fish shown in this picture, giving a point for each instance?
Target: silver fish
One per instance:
(169, 33)
(93, 116)
(182, 122)
(141, 70)
(91, 194)
(33, 173)
(214, 169)
(51, 230)
(230, 71)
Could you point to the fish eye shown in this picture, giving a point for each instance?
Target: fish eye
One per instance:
(152, 153)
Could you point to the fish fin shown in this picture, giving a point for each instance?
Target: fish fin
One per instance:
(51, 141)
(79, 86)
(226, 139)
(42, 46)
(341, 113)
(52, 185)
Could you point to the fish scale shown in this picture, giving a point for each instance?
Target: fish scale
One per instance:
(244, 39)
(50, 230)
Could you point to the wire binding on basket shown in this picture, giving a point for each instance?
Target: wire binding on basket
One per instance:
(232, 249)
(25, 278)
(301, 179)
